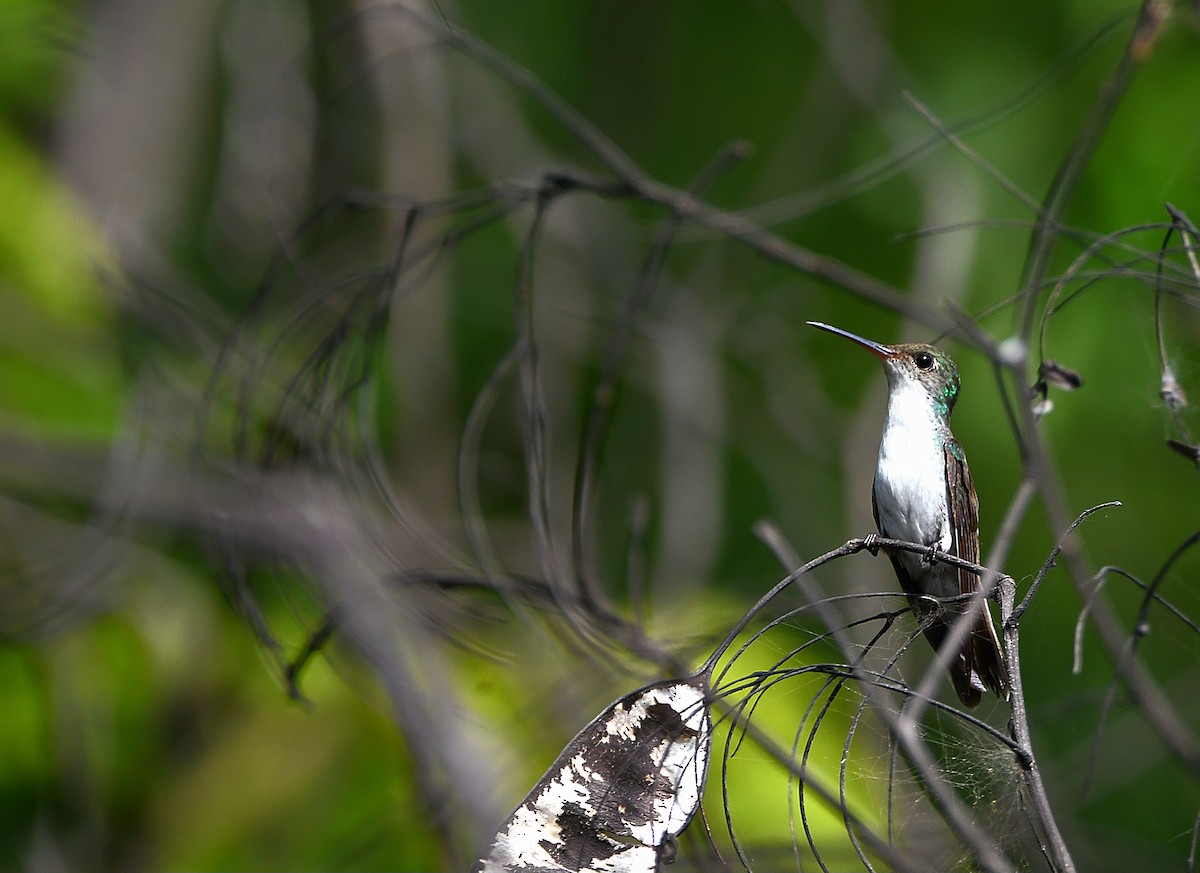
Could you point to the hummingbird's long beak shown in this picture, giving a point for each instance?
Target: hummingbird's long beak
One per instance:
(880, 351)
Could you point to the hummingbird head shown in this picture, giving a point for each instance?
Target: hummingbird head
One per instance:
(912, 364)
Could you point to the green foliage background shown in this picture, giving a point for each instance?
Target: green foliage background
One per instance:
(144, 727)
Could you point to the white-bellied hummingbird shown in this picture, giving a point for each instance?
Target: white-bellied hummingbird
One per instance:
(923, 494)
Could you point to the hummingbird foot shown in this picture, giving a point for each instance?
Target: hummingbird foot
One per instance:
(929, 558)
(871, 544)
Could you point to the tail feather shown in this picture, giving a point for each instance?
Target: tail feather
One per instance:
(979, 667)
(985, 656)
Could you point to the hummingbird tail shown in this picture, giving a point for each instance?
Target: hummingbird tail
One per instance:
(979, 667)
(985, 658)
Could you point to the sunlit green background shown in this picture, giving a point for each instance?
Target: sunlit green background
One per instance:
(165, 150)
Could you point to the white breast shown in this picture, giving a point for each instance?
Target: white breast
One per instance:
(910, 476)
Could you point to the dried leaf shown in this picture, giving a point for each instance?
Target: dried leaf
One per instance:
(1192, 453)
(1053, 373)
(620, 791)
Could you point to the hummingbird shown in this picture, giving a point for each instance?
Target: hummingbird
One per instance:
(923, 493)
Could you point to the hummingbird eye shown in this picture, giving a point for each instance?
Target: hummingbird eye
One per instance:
(924, 360)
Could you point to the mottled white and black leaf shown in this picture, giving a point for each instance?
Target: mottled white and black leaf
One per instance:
(620, 791)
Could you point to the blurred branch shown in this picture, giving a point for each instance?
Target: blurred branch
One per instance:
(632, 181)
(1146, 693)
(1053, 844)
(1151, 19)
(604, 395)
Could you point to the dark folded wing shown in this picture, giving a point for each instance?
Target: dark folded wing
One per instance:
(964, 512)
(984, 663)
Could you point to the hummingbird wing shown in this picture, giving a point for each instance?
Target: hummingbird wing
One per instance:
(982, 652)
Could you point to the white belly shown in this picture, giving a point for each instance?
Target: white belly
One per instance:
(910, 481)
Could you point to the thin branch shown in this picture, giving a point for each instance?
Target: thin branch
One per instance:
(603, 398)
(1071, 169)
(988, 168)
(1019, 611)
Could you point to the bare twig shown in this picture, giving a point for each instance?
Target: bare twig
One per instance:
(1071, 169)
(1053, 844)
(600, 410)
(1178, 738)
